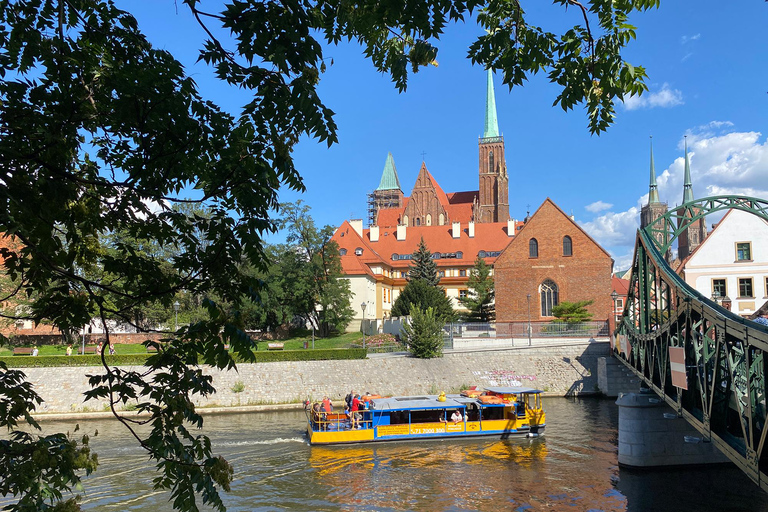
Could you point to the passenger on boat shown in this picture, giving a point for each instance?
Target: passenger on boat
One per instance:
(327, 405)
(349, 398)
(356, 406)
(350, 416)
(456, 417)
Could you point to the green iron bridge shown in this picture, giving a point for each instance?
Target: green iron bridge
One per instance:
(720, 389)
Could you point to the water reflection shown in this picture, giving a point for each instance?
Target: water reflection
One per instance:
(573, 467)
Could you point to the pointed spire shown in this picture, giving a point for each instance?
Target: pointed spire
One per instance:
(688, 186)
(491, 124)
(653, 193)
(389, 179)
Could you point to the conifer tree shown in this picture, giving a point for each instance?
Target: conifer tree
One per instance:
(480, 299)
(423, 266)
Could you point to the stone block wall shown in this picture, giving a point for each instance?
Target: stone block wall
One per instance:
(557, 370)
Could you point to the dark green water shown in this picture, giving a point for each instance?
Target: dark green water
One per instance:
(573, 467)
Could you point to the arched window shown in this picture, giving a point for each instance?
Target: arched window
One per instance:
(567, 246)
(405, 220)
(441, 219)
(417, 222)
(533, 248)
(342, 252)
(429, 219)
(490, 161)
(548, 291)
(359, 251)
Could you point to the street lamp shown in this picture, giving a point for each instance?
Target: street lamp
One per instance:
(614, 297)
(176, 308)
(529, 319)
(363, 305)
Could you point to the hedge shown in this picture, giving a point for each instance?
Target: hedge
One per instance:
(140, 359)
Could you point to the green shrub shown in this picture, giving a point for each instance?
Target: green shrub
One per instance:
(424, 333)
(140, 359)
(238, 387)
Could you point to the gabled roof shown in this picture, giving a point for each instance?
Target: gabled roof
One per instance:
(620, 286)
(549, 201)
(441, 196)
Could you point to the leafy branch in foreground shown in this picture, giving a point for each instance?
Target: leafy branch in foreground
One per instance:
(103, 138)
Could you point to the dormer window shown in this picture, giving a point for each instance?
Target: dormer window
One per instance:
(359, 251)
(342, 252)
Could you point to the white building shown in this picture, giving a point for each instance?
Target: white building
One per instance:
(732, 263)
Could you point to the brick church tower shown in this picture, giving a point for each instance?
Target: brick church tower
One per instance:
(694, 235)
(493, 195)
(654, 209)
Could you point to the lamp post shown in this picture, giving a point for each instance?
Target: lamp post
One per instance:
(529, 319)
(614, 297)
(362, 325)
(176, 309)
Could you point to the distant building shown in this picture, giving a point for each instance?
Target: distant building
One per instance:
(731, 264)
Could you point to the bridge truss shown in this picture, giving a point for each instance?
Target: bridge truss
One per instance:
(723, 395)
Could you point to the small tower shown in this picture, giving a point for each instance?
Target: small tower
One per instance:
(493, 195)
(691, 238)
(389, 194)
(655, 208)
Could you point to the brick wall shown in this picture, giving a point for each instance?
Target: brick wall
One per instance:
(586, 275)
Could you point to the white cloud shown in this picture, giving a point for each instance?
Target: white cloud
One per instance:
(664, 97)
(598, 206)
(687, 39)
(733, 163)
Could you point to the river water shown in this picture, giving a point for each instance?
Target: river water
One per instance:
(572, 467)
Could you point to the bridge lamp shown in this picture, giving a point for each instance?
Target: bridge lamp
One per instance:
(176, 309)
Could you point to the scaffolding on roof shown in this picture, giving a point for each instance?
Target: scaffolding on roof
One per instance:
(381, 200)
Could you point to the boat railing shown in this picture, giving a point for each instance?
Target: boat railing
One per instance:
(338, 421)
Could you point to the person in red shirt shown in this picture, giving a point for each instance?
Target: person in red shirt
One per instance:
(356, 406)
(327, 405)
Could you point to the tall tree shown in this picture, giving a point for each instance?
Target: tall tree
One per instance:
(423, 266)
(424, 333)
(423, 295)
(110, 132)
(481, 294)
(326, 294)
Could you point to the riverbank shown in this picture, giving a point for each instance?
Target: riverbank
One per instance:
(562, 369)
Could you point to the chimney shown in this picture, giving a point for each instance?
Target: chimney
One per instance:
(374, 233)
(401, 232)
(511, 227)
(471, 230)
(456, 230)
(357, 225)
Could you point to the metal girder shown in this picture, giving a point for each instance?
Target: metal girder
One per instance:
(725, 355)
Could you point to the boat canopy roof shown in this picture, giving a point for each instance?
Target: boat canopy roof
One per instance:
(512, 390)
(399, 403)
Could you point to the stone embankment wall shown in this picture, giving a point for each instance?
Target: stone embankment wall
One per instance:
(562, 369)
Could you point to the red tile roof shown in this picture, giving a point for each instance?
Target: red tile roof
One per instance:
(620, 286)
(489, 237)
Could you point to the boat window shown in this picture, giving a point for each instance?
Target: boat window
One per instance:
(429, 416)
(398, 417)
(493, 413)
(472, 412)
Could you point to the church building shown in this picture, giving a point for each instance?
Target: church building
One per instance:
(458, 227)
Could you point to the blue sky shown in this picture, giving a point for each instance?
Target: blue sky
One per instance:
(707, 77)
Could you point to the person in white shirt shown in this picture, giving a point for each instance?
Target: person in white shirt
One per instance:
(456, 417)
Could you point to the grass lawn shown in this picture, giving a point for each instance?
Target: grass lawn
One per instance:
(294, 343)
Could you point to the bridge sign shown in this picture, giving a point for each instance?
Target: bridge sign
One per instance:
(677, 367)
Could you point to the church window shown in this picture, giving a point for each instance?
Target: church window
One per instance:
(429, 219)
(417, 222)
(359, 251)
(490, 161)
(441, 220)
(549, 299)
(533, 248)
(342, 252)
(743, 251)
(567, 246)
(405, 220)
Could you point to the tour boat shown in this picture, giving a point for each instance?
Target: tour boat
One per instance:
(496, 411)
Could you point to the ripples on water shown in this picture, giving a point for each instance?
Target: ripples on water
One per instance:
(573, 467)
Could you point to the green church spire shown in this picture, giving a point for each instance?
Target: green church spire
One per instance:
(491, 124)
(653, 193)
(687, 186)
(389, 179)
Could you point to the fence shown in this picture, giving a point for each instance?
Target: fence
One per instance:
(523, 329)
